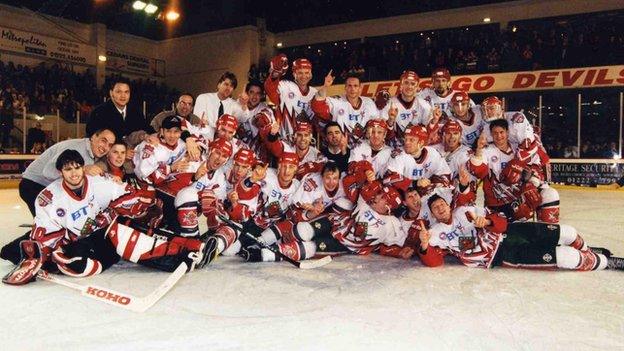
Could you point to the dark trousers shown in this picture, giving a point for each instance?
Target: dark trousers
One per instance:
(528, 244)
(28, 191)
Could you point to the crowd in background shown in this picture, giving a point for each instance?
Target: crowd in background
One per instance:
(521, 45)
(49, 87)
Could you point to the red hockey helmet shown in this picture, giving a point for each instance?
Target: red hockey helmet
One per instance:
(301, 63)
(377, 123)
(441, 73)
(227, 121)
(289, 158)
(409, 75)
(392, 196)
(221, 145)
(245, 157)
(417, 131)
(451, 126)
(460, 97)
(492, 108)
(303, 127)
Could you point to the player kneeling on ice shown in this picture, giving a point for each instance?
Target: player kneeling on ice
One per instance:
(482, 239)
(76, 231)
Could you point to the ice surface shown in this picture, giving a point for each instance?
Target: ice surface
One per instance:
(354, 303)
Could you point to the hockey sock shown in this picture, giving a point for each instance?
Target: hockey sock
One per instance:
(571, 258)
(569, 236)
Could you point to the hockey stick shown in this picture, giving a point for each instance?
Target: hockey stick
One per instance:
(119, 299)
(305, 264)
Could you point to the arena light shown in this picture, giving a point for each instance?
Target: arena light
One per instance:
(279, 45)
(151, 9)
(172, 15)
(514, 29)
(102, 58)
(139, 5)
(487, 20)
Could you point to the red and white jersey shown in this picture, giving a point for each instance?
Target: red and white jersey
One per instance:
(215, 181)
(61, 215)
(292, 104)
(368, 230)
(471, 130)
(275, 200)
(152, 164)
(520, 135)
(493, 162)
(484, 245)
(429, 164)
(312, 190)
(455, 159)
(352, 119)
(443, 102)
(418, 111)
(246, 122)
(379, 159)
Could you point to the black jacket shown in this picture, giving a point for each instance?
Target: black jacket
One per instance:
(107, 116)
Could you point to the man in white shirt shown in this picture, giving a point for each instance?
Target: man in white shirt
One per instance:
(210, 106)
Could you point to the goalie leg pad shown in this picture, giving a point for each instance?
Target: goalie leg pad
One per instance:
(26, 270)
(135, 246)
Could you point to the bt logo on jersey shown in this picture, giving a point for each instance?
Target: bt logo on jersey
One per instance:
(416, 172)
(353, 117)
(302, 104)
(80, 212)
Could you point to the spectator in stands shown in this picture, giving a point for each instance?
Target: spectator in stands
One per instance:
(126, 120)
(36, 139)
(6, 117)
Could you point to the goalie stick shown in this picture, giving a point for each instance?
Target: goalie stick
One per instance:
(305, 264)
(119, 299)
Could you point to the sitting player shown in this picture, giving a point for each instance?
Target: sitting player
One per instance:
(373, 149)
(70, 230)
(479, 238)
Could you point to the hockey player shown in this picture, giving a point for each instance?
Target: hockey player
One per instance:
(470, 118)
(372, 226)
(206, 194)
(417, 162)
(70, 228)
(292, 99)
(113, 163)
(310, 158)
(479, 238)
(521, 136)
(453, 151)
(373, 149)
(315, 198)
(508, 187)
(351, 111)
(407, 109)
(440, 92)
(256, 117)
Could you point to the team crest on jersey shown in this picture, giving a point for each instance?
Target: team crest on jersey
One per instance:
(44, 198)
(310, 185)
(148, 151)
(60, 212)
(341, 111)
(547, 258)
(291, 95)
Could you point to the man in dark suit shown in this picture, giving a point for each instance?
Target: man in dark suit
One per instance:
(125, 120)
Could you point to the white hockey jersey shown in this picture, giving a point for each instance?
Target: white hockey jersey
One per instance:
(379, 159)
(417, 112)
(152, 164)
(447, 237)
(472, 129)
(312, 190)
(62, 215)
(352, 120)
(293, 105)
(430, 163)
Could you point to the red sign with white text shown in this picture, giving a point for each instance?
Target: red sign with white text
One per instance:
(566, 78)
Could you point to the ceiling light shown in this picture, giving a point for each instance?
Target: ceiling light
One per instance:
(139, 5)
(102, 58)
(487, 20)
(279, 45)
(151, 8)
(172, 15)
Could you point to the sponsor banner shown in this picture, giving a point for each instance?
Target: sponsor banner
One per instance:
(566, 78)
(134, 64)
(13, 168)
(586, 172)
(33, 44)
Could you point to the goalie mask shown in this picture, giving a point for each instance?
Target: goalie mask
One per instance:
(492, 108)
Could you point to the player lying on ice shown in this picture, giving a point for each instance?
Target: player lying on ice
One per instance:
(479, 238)
(75, 229)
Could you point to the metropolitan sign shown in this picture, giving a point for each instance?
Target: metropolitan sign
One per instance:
(33, 44)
